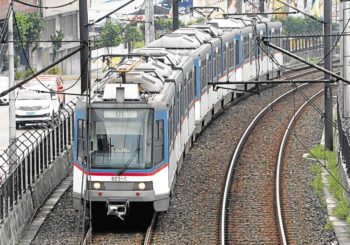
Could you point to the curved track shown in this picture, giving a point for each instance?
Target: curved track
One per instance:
(249, 199)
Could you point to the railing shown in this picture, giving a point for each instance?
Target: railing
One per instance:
(23, 162)
(343, 153)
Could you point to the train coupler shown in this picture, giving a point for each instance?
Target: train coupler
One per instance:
(118, 208)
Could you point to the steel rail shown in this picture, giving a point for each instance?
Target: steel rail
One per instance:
(148, 236)
(279, 164)
(237, 152)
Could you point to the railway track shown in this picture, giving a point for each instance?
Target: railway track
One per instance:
(137, 230)
(191, 218)
(248, 215)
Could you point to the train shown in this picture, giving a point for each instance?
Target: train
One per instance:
(131, 136)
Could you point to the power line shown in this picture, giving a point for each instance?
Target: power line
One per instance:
(45, 7)
(336, 43)
(23, 50)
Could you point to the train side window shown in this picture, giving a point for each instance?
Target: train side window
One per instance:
(159, 142)
(182, 102)
(210, 69)
(225, 58)
(170, 126)
(81, 141)
(218, 60)
(237, 54)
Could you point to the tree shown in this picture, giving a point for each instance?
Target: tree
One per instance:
(110, 35)
(28, 30)
(132, 35)
(56, 42)
(296, 25)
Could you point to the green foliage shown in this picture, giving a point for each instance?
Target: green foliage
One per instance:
(23, 74)
(341, 210)
(140, 44)
(164, 26)
(132, 35)
(317, 183)
(199, 20)
(298, 25)
(54, 71)
(329, 226)
(29, 28)
(56, 42)
(110, 35)
(342, 207)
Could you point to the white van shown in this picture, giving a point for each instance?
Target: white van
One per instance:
(4, 85)
(33, 106)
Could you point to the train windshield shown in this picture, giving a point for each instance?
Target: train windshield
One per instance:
(121, 138)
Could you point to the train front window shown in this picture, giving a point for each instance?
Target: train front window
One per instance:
(121, 138)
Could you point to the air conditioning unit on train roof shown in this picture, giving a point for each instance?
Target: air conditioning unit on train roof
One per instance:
(227, 23)
(200, 35)
(175, 41)
(131, 91)
(147, 83)
(160, 68)
(210, 29)
(161, 54)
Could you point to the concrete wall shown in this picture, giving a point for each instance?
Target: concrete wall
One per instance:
(17, 221)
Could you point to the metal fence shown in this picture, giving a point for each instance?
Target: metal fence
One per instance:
(23, 162)
(344, 145)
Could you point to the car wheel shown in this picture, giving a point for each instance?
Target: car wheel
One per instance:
(17, 125)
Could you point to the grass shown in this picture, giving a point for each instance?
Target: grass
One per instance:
(317, 183)
(341, 210)
(140, 44)
(329, 226)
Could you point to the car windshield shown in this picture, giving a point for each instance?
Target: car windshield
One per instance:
(32, 95)
(121, 138)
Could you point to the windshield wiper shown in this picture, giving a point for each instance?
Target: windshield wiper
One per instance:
(129, 161)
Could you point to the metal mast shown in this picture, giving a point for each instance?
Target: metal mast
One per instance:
(345, 48)
(328, 66)
(149, 21)
(12, 117)
(84, 38)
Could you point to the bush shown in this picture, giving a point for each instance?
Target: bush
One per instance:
(54, 71)
(23, 74)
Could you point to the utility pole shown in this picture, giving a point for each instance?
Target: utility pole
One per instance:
(328, 65)
(149, 24)
(345, 53)
(261, 6)
(175, 15)
(12, 109)
(84, 38)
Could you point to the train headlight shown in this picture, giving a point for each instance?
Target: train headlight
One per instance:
(142, 186)
(96, 185)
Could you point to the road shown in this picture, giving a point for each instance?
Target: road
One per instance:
(4, 115)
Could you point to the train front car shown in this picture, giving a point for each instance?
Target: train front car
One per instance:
(127, 145)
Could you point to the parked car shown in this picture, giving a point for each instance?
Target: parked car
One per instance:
(4, 85)
(33, 106)
(53, 82)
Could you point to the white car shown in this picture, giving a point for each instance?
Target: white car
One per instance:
(33, 106)
(4, 85)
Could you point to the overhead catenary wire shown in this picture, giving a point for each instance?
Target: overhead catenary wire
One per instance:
(4, 27)
(23, 50)
(45, 7)
(319, 111)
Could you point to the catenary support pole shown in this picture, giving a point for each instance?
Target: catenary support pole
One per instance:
(345, 53)
(328, 66)
(149, 21)
(261, 6)
(175, 15)
(12, 109)
(84, 37)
